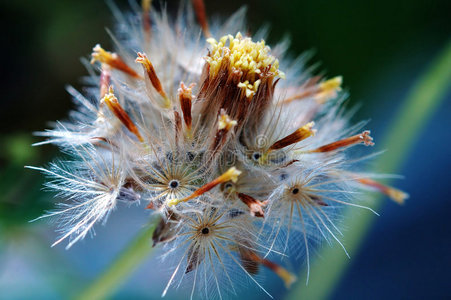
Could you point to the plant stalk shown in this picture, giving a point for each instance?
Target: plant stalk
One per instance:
(109, 281)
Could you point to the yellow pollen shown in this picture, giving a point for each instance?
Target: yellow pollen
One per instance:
(100, 54)
(172, 202)
(225, 122)
(146, 4)
(230, 175)
(397, 195)
(328, 89)
(250, 89)
(252, 59)
(111, 59)
(307, 131)
(287, 277)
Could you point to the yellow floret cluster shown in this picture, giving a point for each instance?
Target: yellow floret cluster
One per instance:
(251, 58)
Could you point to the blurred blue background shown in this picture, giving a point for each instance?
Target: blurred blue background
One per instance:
(380, 47)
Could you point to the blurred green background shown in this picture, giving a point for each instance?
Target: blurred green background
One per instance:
(380, 47)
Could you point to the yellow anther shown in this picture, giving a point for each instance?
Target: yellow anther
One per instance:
(100, 54)
(307, 131)
(397, 195)
(231, 175)
(225, 122)
(328, 89)
(111, 59)
(250, 89)
(287, 277)
(146, 4)
(243, 54)
(172, 202)
(332, 84)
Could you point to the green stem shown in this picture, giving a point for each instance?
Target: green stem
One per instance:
(121, 268)
(407, 127)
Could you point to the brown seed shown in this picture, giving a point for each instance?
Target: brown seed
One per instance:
(105, 79)
(295, 137)
(396, 195)
(255, 206)
(152, 75)
(111, 59)
(186, 97)
(230, 175)
(146, 22)
(199, 9)
(363, 137)
(113, 104)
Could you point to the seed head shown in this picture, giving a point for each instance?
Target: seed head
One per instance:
(240, 163)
